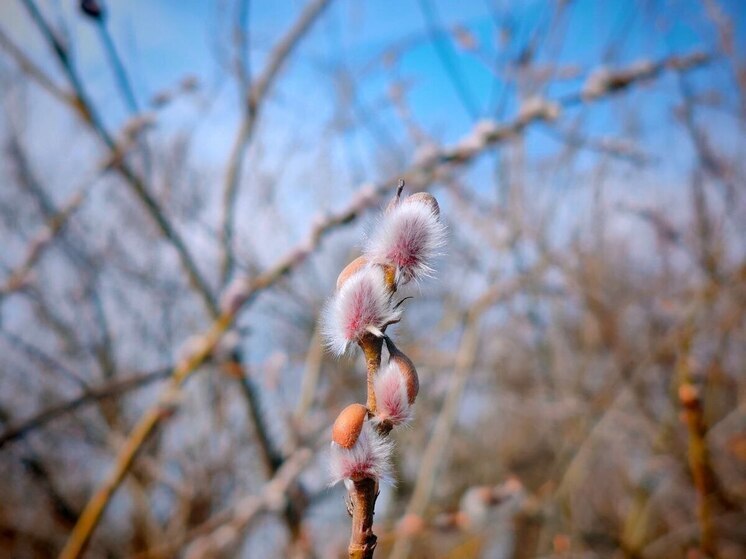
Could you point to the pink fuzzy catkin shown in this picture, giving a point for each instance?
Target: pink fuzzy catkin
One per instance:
(408, 237)
(363, 304)
(392, 400)
(369, 457)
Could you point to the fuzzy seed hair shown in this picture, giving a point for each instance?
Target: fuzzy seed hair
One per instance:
(392, 400)
(363, 304)
(369, 457)
(408, 237)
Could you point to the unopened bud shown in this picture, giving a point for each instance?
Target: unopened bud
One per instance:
(688, 395)
(91, 8)
(426, 198)
(407, 369)
(348, 425)
(357, 264)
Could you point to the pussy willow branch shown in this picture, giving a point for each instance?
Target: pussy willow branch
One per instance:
(420, 174)
(371, 346)
(363, 541)
(363, 493)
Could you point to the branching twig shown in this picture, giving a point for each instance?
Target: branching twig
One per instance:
(253, 99)
(39, 243)
(227, 527)
(88, 113)
(224, 528)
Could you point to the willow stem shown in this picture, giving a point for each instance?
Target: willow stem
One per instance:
(371, 346)
(363, 499)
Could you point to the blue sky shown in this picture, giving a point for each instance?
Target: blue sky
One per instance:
(161, 41)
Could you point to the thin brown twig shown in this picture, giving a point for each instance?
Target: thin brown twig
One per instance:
(226, 528)
(698, 452)
(33, 70)
(363, 493)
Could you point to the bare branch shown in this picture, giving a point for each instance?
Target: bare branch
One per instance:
(39, 243)
(88, 112)
(254, 98)
(223, 530)
(89, 396)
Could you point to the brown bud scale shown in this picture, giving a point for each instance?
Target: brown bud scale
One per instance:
(426, 198)
(348, 425)
(357, 264)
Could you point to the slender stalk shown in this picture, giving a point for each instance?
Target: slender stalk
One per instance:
(698, 452)
(363, 493)
(91, 515)
(371, 346)
(363, 500)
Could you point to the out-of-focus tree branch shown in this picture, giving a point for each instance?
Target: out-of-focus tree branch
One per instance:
(33, 70)
(38, 244)
(89, 396)
(89, 114)
(465, 357)
(253, 97)
(223, 530)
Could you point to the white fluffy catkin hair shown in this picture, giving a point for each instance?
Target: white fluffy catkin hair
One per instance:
(392, 401)
(408, 237)
(362, 305)
(369, 457)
